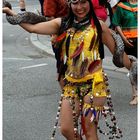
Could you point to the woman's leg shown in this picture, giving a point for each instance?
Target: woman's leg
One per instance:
(66, 119)
(133, 51)
(134, 100)
(91, 127)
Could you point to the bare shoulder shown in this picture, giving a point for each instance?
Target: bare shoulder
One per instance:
(57, 21)
(107, 38)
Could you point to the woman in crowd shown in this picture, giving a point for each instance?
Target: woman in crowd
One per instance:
(125, 22)
(80, 54)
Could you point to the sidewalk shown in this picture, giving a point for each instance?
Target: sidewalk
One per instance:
(43, 43)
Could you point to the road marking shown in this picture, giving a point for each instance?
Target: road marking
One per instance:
(11, 35)
(33, 66)
(25, 59)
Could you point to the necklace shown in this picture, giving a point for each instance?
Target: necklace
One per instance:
(80, 25)
(79, 39)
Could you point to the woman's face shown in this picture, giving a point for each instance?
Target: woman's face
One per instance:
(80, 8)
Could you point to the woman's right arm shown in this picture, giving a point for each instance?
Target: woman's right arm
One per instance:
(126, 41)
(46, 28)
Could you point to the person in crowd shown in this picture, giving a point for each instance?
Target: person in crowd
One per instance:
(41, 5)
(125, 22)
(22, 5)
(100, 9)
(54, 9)
(85, 89)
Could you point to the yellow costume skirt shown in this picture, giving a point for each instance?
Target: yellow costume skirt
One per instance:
(94, 85)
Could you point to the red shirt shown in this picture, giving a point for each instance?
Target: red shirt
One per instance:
(99, 10)
(55, 8)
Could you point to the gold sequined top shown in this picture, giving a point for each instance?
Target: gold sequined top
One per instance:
(84, 58)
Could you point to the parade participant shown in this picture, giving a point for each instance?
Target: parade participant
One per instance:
(22, 5)
(125, 21)
(41, 5)
(85, 88)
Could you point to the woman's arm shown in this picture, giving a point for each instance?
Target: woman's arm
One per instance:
(8, 11)
(108, 40)
(126, 41)
(46, 28)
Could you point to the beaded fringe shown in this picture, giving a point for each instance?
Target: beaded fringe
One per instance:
(114, 130)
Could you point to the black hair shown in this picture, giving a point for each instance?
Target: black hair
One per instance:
(69, 19)
(99, 29)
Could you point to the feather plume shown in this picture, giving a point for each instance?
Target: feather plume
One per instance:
(60, 37)
(67, 45)
(93, 65)
(77, 51)
(92, 42)
(75, 60)
(83, 66)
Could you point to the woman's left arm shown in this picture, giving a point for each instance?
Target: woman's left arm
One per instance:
(109, 42)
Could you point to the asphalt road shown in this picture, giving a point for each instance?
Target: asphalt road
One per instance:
(31, 93)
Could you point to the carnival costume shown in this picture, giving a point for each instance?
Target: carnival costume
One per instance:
(80, 53)
(81, 58)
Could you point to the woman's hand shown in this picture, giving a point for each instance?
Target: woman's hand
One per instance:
(5, 10)
(127, 42)
(8, 11)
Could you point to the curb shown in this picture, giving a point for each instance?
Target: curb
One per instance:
(42, 42)
(42, 46)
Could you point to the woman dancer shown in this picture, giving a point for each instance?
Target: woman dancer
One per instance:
(85, 84)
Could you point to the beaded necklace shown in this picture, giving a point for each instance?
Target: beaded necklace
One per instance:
(79, 42)
(81, 24)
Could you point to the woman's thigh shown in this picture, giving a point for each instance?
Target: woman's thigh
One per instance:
(66, 115)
